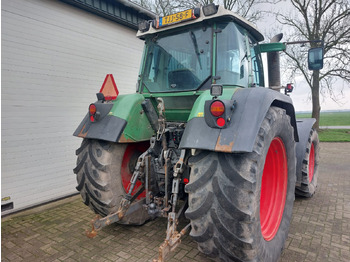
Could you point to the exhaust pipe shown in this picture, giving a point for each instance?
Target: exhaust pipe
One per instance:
(273, 64)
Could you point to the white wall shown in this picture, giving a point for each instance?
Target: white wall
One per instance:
(54, 59)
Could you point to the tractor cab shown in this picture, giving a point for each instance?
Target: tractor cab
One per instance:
(193, 49)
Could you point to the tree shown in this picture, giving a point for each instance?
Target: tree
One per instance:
(327, 20)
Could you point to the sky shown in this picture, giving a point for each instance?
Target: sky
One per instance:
(301, 95)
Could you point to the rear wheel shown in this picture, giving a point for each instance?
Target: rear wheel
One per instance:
(309, 171)
(104, 170)
(240, 205)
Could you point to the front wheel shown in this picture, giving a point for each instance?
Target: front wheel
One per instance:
(104, 170)
(240, 205)
(309, 169)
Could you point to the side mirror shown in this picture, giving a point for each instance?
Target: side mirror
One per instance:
(315, 58)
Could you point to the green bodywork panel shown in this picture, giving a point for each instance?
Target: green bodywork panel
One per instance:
(128, 107)
(198, 107)
(179, 107)
(272, 47)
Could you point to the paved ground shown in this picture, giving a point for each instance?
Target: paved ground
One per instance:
(320, 229)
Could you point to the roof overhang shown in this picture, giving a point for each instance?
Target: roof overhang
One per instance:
(121, 11)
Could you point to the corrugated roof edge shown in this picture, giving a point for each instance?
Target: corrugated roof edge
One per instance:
(138, 8)
(123, 12)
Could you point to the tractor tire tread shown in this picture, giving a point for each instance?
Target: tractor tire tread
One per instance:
(223, 191)
(307, 189)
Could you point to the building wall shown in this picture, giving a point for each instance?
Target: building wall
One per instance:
(54, 59)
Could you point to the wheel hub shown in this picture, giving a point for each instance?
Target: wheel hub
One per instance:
(311, 162)
(273, 189)
(132, 152)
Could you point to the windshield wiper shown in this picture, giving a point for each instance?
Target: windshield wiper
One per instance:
(194, 41)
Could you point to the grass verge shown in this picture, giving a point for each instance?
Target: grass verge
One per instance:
(334, 135)
(330, 118)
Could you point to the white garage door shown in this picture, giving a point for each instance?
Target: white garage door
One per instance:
(54, 59)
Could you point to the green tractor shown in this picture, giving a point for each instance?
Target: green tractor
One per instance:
(202, 137)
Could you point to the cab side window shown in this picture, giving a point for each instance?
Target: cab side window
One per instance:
(257, 66)
(232, 59)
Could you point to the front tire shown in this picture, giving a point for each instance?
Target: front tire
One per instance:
(104, 170)
(240, 205)
(309, 171)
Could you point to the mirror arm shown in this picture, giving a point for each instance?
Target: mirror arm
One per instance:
(305, 42)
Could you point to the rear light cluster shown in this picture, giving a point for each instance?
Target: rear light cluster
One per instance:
(217, 109)
(92, 112)
(217, 112)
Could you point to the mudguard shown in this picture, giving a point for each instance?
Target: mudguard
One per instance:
(251, 107)
(119, 121)
(304, 127)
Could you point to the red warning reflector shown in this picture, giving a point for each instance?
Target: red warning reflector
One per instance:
(186, 181)
(109, 88)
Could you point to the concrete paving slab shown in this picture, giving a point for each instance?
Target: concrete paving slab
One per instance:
(320, 229)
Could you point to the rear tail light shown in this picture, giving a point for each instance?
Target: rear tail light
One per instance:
(220, 122)
(92, 109)
(217, 108)
(92, 112)
(288, 89)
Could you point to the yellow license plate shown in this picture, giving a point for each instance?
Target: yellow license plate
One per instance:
(176, 18)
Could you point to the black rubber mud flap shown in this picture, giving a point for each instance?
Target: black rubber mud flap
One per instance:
(109, 128)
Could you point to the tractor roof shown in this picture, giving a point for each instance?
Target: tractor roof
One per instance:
(157, 26)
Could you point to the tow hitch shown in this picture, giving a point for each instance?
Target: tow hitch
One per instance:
(173, 237)
(166, 162)
(98, 223)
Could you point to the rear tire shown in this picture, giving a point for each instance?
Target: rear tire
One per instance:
(309, 171)
(233, 214)
(103, 171)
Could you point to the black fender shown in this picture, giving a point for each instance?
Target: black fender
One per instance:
(239, 135)
(304, 127)
(107, 127)
(119, 121)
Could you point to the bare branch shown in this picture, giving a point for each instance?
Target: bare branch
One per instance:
(327, 20)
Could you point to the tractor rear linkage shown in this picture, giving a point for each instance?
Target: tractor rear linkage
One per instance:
(173, 237)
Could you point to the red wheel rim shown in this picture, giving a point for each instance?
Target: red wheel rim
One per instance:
(273, 189)
(311, 162)
(132, 152)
